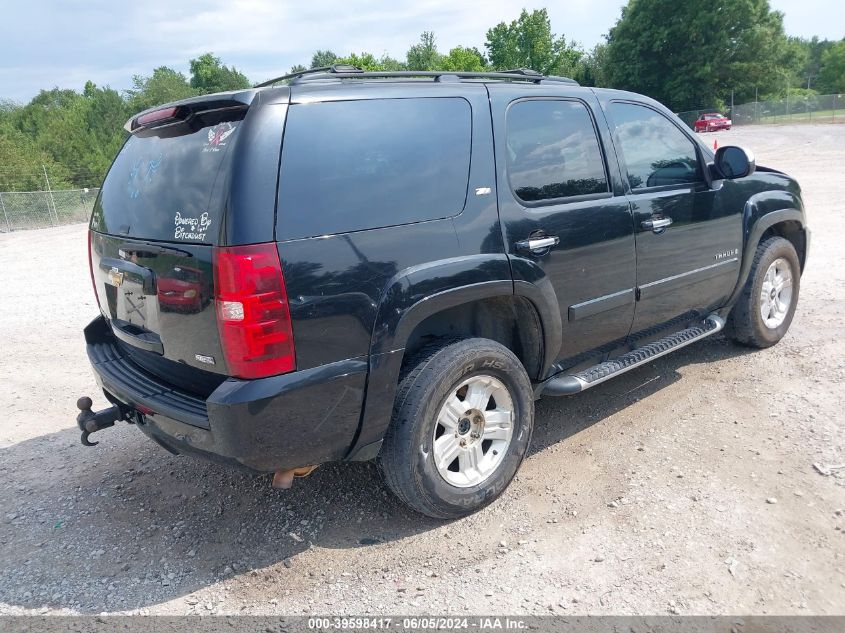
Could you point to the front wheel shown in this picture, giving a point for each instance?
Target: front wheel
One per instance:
(765, 308)
(462, 423)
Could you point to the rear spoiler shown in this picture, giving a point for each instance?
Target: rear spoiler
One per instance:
(183, 112)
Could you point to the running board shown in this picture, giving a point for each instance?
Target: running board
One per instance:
(568, 384)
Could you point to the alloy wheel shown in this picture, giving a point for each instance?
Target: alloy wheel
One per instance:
(473, 431)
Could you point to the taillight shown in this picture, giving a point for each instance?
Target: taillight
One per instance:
(252, 311)
(91, 264)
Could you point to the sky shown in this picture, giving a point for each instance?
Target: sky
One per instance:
(65, 43)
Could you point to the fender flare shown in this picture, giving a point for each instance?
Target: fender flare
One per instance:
(399, 314)
(756, 222)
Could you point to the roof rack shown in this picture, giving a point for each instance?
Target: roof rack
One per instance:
(345, 71)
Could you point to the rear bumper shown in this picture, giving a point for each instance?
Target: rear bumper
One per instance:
(297, 419)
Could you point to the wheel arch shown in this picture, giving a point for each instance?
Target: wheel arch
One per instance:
(771, 213)
(409, 318)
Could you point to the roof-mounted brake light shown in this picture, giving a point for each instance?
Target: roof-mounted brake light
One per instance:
(154, 118)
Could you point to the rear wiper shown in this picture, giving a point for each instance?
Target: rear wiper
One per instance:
(152, 250)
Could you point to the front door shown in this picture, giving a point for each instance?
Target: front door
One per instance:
(688, 240)
(565, 218)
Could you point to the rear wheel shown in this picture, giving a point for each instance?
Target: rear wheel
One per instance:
(765, 308)
(461, 426)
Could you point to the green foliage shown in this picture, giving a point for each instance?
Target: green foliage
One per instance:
(687, 53)
(76, 135)
(296, 68)
(321, 59)
(528, 42)
(368, 61)
(832, 71)
(466, 59)
(424, 55)
(22, 164)
(163, 86)
(209, 75)
(813, 49)
(592, 70)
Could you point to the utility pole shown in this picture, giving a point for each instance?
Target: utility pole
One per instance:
(52, 199)
(732, 103)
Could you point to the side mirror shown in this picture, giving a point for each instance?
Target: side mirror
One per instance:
(734, 162)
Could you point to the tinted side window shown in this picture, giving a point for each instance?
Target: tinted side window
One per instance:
(553, 151)
(353, 165)
(655, 152)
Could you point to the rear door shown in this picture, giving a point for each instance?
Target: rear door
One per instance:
(159, 213)
(559, 190)
(687, 239)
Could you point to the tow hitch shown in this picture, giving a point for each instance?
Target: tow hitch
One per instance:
(90, 422)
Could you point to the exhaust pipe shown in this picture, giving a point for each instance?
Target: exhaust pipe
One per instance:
(283, 479)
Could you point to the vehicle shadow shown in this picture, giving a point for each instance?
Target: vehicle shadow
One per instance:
(557, 419)
(127, 525)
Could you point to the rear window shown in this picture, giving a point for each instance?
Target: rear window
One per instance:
(160, 188)
(354, 165)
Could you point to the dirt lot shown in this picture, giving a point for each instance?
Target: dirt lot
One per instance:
(686, 486)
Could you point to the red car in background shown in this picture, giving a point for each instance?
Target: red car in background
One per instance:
(183, 290)
(712, 121)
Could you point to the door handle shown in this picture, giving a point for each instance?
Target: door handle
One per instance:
(533, 244)
(656, 224)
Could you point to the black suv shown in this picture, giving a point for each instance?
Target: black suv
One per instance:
(395, 266)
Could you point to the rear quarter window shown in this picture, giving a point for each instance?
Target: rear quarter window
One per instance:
(355, 165)
(161, 187)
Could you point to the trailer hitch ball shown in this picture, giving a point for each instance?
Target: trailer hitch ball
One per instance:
(90, 422)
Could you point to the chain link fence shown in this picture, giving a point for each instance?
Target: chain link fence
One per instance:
(797, 109)
(40, 209)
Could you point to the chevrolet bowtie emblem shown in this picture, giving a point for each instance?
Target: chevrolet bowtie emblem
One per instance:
(115, 276)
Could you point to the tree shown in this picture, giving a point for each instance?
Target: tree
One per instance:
(105, 114)
(461, 58)
(163, 86)
(208, 75)
(24, 163)
(528, 42)
(368, 61)
(688, 54)
(592, 71)
(321, 59)
(296, 68)
(424, 55)
(813, 49)
(832, 73)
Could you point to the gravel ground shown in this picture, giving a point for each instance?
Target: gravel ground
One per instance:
(686, 486)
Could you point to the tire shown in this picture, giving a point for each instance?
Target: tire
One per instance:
(746, 323)
(409, 458)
